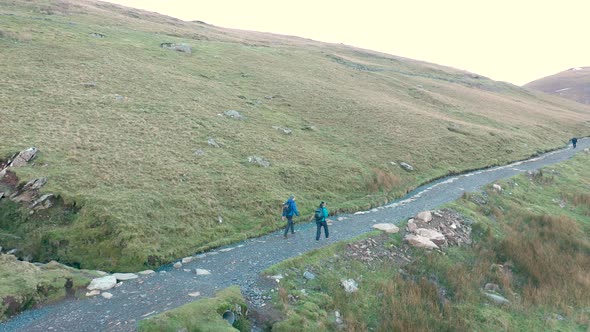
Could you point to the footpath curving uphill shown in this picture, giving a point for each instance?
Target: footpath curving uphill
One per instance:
(240, 264)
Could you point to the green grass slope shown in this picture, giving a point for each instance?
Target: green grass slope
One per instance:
(118, 120)
(573, 84)
(530, 240)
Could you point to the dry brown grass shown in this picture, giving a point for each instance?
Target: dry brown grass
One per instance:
(407, 305)
(382, 180)
(554, 257)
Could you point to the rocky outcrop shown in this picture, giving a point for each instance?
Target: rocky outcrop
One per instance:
(24, 157)
(442, 229)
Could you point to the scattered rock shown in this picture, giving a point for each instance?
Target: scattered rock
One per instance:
(338, 318)
(102, 283)
(406, 166)
(387, 228)
(492, 287)
(308, 275)
(258, 161)
(182, 47)
(202, 272)
(277, 277)
(411, 227)
(393, 163)
(213, 143)
(93, 293)
(425, 216)
(350, 286)
(187, 260)
(233, 114)
(497, 299)
(430, 234)
(194, 294)
(420, 241)
(340, 218)
(146, 272)
(125, 276)
(226, 249)
(199, 152)
(24, 157)
(44, 202)
(283, 130)
(177, 265)
(587, 150)
(497, 187)
(107, 295)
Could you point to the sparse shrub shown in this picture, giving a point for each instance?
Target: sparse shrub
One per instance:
(539, 178)
(381, 180)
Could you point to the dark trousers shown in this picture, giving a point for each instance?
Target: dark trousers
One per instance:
(289, 225)
(320, 225)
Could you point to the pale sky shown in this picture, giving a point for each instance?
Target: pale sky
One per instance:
(516, 41)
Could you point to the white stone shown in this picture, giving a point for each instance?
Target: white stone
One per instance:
(350, 286)
(420, 241)
(425, 216)
(497, 298)
(194, 294)
(387, 228)
(374, 210)
(226, 249)
(107, 295)
(202, 272)
(187, 260)
(177, 265)
(146, 272)
(496, 187)
(125, 276)
(430, 234)
(102, 283)
(340, 218)
(93, 293)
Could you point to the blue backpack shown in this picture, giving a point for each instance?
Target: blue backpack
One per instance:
(319, 214)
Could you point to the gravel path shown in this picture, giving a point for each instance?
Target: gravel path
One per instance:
(242, 263)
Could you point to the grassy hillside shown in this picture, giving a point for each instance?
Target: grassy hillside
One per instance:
(530, 243)
(118, 120)
(573, 84)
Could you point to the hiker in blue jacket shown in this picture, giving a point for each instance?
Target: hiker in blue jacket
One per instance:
(320, 219)
(574, 141)
(290, 210)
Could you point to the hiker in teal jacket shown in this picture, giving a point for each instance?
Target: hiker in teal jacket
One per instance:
(321, 221)
(290, 210)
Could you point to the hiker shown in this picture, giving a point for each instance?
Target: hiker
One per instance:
(290, 210)
(320, 216)
(574, 142)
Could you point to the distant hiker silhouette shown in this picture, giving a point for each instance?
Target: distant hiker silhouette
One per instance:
(574, 142)
(320, 216)
(289, 210)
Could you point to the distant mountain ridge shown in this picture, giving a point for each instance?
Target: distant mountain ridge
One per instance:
(573, 84)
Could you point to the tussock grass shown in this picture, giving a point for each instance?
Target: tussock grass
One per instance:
(118, 119)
